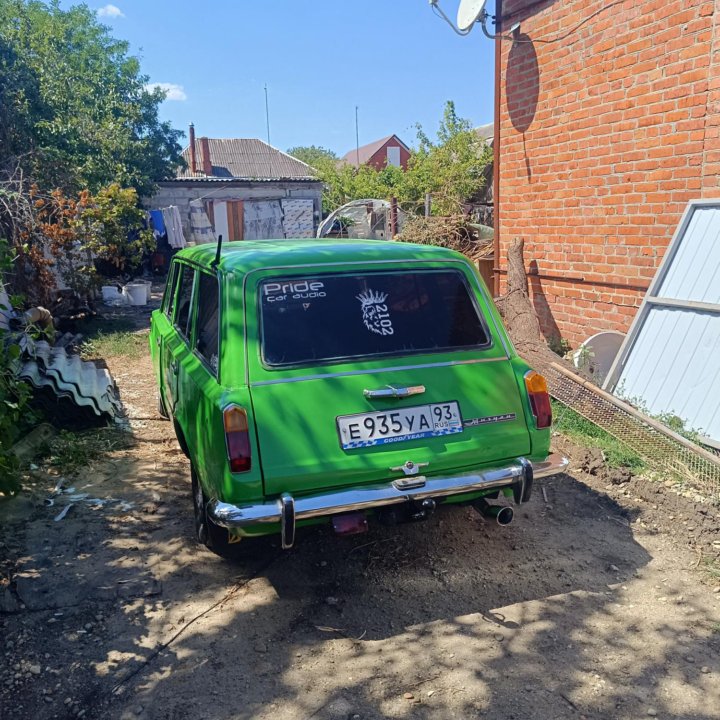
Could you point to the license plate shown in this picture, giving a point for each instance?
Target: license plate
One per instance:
(390, 426)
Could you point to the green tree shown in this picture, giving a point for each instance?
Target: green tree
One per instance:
(312, 155)
(14, 393)
(76, 112)
(112, 226)
(450, 167)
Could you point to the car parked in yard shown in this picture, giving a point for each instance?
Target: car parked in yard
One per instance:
(316, 380)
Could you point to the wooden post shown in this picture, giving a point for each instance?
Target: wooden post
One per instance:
(393, 217)
(428, 204)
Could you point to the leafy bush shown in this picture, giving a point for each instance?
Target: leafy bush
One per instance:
(68, 233)
(14, 396)
(112, 227)
(452, 167)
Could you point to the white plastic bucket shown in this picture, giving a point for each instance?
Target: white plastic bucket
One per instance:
(136, 293)
(111, 295)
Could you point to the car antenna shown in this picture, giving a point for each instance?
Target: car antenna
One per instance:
(216, 261)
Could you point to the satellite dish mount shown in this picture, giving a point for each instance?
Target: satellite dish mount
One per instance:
(470, 12)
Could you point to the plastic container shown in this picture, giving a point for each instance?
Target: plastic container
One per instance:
(112, 296)
(136, 293)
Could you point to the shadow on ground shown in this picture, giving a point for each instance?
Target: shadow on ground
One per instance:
(562, 614)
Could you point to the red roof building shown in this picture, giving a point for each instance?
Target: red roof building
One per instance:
(389, 150)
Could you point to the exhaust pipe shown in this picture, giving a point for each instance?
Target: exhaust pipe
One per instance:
(503, 514)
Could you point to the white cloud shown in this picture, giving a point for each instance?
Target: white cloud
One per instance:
(110, 11)
(173, 91)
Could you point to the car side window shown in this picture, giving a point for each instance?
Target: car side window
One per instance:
(184, 299)
(169, 296)
(206, 342)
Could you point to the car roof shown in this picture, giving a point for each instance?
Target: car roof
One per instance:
(247, 255)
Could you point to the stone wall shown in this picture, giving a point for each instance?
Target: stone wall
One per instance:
(180, 194)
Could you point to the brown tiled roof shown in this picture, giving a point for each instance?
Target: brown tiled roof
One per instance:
(246, 158)
(367, 151)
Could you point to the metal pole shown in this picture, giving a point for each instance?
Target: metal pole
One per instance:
(267, 125)
(267, 114)
(357, 138)
(496, 152)
(428, 204)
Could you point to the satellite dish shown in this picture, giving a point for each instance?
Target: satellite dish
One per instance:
(468, 13)
(597, 354)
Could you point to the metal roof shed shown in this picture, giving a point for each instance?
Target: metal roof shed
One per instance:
(670, 360)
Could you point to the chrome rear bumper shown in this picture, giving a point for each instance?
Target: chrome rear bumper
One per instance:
(286, 510)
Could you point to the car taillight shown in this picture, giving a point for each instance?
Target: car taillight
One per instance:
(237, 438)
(539, 399)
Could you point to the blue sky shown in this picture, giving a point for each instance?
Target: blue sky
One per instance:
(320, 58)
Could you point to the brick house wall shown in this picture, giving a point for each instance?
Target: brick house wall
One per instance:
(378, 159)
(604, 137)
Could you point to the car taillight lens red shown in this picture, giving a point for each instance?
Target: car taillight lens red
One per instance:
(539, 399)
(237, 438)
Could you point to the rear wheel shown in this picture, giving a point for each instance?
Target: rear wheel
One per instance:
(213, 536)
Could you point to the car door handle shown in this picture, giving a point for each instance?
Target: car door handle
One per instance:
(395, 392)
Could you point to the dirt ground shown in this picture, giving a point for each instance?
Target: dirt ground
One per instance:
(592, 604)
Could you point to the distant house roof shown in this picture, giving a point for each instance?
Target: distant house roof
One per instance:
(486, 132)
(365, 152)
(244, 159)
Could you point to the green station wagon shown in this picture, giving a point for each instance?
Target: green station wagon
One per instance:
(328, 381)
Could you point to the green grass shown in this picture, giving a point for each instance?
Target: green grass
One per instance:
(711, 566)
(70, 451)
(113, 338)
(586, 433)
(116, 344)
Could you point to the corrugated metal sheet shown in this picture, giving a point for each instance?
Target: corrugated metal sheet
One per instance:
(248, 158)
(670, 360)
(694, 271)
(68, 376)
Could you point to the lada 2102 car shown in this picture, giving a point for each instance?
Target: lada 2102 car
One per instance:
(310, 380)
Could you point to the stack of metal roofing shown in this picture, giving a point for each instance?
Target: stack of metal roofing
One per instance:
(78, 386)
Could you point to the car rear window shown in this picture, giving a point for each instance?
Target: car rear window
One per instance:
(335, 317)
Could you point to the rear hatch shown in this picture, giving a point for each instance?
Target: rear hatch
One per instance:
(359, 372)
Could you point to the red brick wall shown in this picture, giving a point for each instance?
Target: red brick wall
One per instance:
(604, 137)
(379, 159)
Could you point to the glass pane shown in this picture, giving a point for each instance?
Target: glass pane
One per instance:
(184, 299)
(333, 317)
(207, 319)
(169, 296)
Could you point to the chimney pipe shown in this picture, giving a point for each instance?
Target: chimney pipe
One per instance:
(193, 156)
(205, 156)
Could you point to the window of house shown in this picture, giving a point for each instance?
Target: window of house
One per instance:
(184, 299)
(208, 308)
(393, 156)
